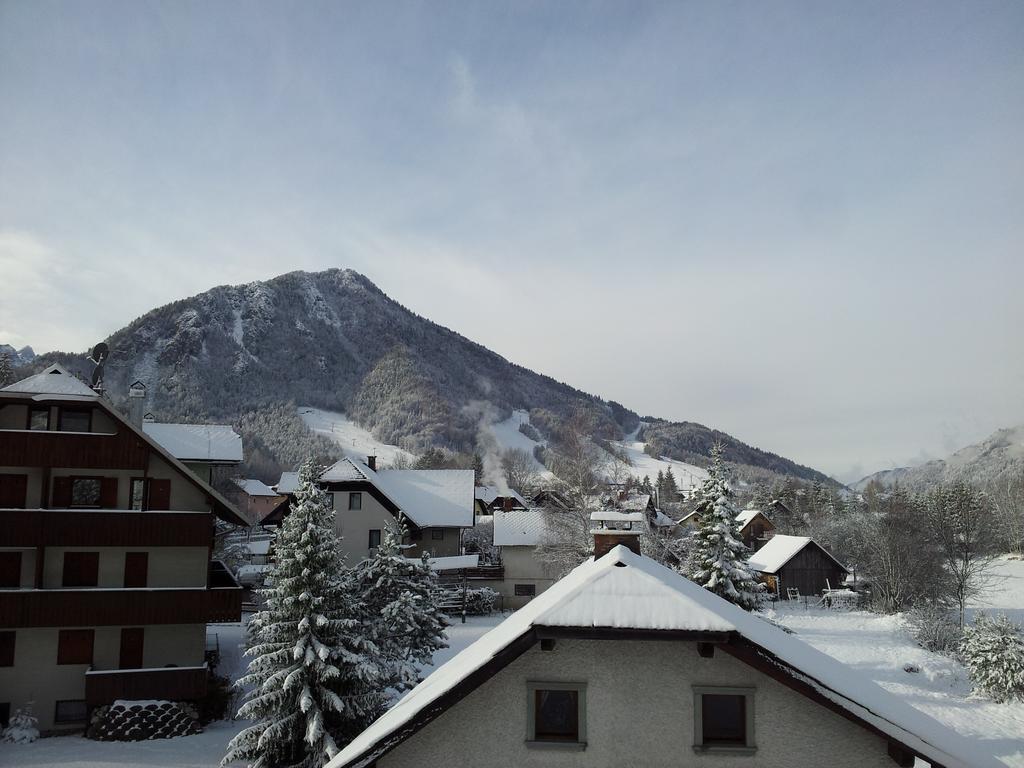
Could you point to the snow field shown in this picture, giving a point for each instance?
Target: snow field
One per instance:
(353, 440)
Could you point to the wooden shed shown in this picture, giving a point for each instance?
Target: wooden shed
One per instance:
(799, 562)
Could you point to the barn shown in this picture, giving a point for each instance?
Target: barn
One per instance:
(788, 562)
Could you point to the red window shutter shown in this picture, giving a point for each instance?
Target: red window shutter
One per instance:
(159, 494)
(81, 569)
(108, 493)
(61, 492)
(132, 639)
(136, 569)
(7, 640)
(10, 570)
(74, 646)
(13, 491)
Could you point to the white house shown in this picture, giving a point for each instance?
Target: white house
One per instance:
(624, 662)
(517, 533)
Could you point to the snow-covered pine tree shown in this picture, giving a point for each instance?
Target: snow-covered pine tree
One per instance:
(23, 727)
(6, 370)
(992, 649)
(315, 676)
(397, 595)
(719, 558)
(671, 488)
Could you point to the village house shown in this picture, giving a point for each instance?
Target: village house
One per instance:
(106, 582)
(517, 533)
(255, 499)
(797, 563)
(624, 662)
(490, 499)
(755, 528)
(436, 505)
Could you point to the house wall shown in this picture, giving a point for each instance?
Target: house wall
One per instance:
(37, 677)
(639, 712)
(354, 525)
(167, 566)
(521, 567)
(450, 543)
(808, 571)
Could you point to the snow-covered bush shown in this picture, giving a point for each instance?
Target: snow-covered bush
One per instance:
(993, 652)
(23, 727)
(935, 628)
(480, 601)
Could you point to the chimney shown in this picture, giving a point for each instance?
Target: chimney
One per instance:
(371, 462)
(506, 503)
(136, 403)
(616, 528)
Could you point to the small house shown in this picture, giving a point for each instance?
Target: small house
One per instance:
(797, 562)
(755, 528)
(517, 534)
(490, 499)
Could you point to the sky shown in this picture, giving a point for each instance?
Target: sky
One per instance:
(801, 223)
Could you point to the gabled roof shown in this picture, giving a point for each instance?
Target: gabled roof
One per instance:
(428, 497)
(197, 442)
(625, 591)
(519, 527)
(288, 483)
(253, 487)
(744, 517)
(488, 493)
(780, 549)
(55, 380)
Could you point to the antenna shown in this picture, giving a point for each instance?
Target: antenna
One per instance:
(99, 356)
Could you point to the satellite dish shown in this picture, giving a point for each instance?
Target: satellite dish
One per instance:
(99, 356)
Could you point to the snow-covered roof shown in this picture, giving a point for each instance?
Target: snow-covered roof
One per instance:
(779, 550)
(488, 493)
(747, 515)
(428, 497)
(55, 380)
(258, 546)
(254, 487)
(615, 516)
(519, 528)
(197, 442)
(623, 590)
(288, 483)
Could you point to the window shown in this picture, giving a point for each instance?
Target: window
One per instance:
(5, 714)
(355, 501)
(525, 590)
(86, 491)
(75, 421)
(136, 569)
(81, 569)
(437, 534)
(723, 719)
(7, 640)
(39, 419)
(74, 646)
(69, 711)
(374, 538)
(137, 499)
(557, 714)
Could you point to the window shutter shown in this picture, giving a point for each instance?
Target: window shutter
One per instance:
(108, 493)
(81, 569)
(13, 491)
(61, 492)
(136, 569)
(74, 646)
(159, 494)
(10, 570)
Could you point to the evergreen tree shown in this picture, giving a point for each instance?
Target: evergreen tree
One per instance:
(6, 370)
(719, 559)
(397, 596)
(315, 677)
(646, 486)
(671, 488)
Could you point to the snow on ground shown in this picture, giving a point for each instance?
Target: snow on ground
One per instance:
(641, 465)
(355, 441)
(880, 646)
(203, 750)
(507, 435)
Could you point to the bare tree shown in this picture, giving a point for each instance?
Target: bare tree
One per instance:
(519, 469)
(1007, 494)
(964, 526)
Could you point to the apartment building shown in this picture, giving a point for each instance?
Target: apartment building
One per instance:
(106, 579)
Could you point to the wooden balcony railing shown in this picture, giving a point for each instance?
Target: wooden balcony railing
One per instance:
(104, 528)
(118, 607)
(168, 683)
(28, 448)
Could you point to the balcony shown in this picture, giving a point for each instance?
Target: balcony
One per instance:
(118, 607)
(104, 528)
(167, 683)
(82, 450)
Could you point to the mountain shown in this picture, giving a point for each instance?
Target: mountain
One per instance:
(997, 457)
(22, 356)
(335, 341)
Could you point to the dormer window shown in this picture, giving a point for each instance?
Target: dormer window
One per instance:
(39, 419)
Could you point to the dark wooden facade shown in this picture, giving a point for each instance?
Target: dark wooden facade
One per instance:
(118, 607)
(57, 449)
(757, 531)
(171, 684)
(75, 528)
(810, 570)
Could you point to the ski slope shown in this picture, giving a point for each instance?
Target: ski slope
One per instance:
(350, 437)
(641, 465)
